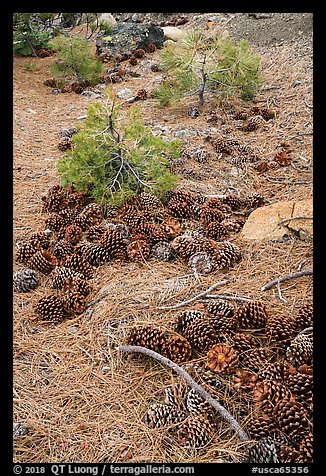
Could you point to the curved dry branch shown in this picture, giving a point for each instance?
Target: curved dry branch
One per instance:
(191, 382)
(275, 282)
(189, 301)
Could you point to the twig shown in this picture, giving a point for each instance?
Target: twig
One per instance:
(198, 388)
(231, 298)
(188, 301)
(295, 218)
(306, 272)
(280, 294)
(27, 362)
(307, 330)
(302, 262)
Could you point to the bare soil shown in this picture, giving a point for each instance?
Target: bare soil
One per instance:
(81, 400)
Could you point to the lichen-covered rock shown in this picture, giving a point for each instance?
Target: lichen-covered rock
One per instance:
(125, 38)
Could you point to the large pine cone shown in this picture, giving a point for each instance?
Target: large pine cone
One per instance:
(268, 393)
(280, 329)
(50, 308)
(221, 359)
(42, 261)
(291, 418)
(148, 336)
(253, 315)
(264, 451)
(159, 415)
(194, 432)
(25, 280)
(200, 334)
(300, 350)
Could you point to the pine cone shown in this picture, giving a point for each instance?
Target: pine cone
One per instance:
(222, 359)
(291, 418)
(181, 196)
(62, 249)
(185, 318)
(42, 261)
(68, 214)
(25, 280)
(300, 350)
(264, 451)
(25, 251)
(79, 264)
(283, 158)
(148, 201)
(65, 143)
(93, 211)
(55, 200)
(219, 306)
(151, 231)
(162, 251)
(301, 387)
(95, 232)
(287, 453)
(76, 284)
(210, 214)
(267, 394)
(280, 329)
(40, 239)
(201, 263)
(304, 318)
(60, 274)
(85, 221)
(260, 426)
(233, 201)
(226, 255)
(253, 200)
(222, 323)
(243, 343)
(176, 393)
(114, 243)
(50, 308)
(148, 336)
(150, 48)
(217, 231)
(54, 222)
(170, 228)
(94, 254)
(139, 53)
(179, 209)
(133, 61)
(255, 359)
(50, 82)
(275, 371)
(139, 249)
(306, 449)
(197, 406)
(74, 303)
(221, 146)
(141, 95)
(159, 415)
(176, 348)
(200, 334)
(240, 115)
(244, 380)
(253, 124)
(253, 315)
(194, 432)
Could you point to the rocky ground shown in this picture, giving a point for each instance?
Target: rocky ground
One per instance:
(79, 399)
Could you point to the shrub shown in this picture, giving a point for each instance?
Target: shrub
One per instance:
(76, 60)
(113, 164)
(31, 31)
(199, 64)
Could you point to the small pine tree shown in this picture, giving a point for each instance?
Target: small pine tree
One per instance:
(198, 64)
(112, 165)
(27, 34)
(76, 61)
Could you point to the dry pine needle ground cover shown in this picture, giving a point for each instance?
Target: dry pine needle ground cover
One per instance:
(81, 399)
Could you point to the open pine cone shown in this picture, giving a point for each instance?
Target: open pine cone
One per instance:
(222, 359)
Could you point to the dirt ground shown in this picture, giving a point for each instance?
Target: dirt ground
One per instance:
(80, 399)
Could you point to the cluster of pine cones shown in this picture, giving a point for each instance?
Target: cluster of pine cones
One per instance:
(240, 353)
(76, 239)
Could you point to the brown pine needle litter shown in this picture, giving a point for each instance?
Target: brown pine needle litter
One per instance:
(82, 400)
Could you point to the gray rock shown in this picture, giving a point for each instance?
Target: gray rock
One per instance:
(125, 93)
(19, 429)
(125, 38)
(91, 94)
(107, 19)
(185, 133)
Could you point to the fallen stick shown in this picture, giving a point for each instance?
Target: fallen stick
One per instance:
(295, 218)
(98, 299)
(231, 298)
(188, 301)
(306, 272)
(190, 381)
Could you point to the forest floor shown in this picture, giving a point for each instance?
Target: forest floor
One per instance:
(80, 398)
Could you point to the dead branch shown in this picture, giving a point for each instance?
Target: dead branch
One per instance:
(198, 388)
(306, 272)
(188, 301)
(295, 218)
(280, 294)
(227, 297)
(95, 301)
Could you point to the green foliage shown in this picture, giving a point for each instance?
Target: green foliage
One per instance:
(115, 164)
(29, 32)
(199, 63)
(77, 61)
(29, 67)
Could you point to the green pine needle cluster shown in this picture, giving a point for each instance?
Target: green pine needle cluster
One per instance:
(114, 159)
(212, 64)
(77, 60)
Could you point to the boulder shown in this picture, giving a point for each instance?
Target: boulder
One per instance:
(125, 38)
(173, 33)
(107, 19)
(263, 223)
